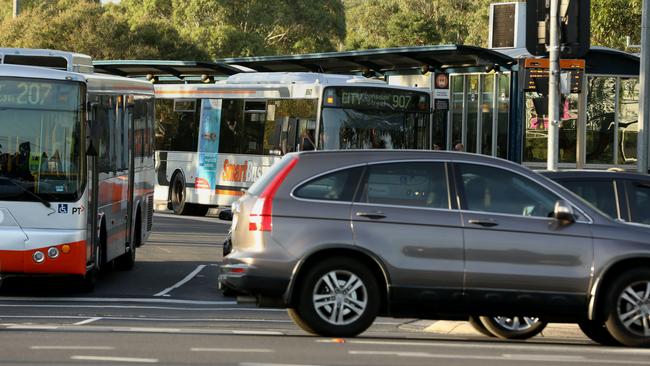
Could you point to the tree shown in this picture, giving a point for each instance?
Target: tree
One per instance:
(613, 20)
(392, 23)
(230, 28)
(101, 32)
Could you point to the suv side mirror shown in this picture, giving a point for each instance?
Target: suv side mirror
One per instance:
(563, 212)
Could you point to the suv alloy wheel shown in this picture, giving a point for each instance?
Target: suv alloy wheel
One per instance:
(339, 297)
(627, 308)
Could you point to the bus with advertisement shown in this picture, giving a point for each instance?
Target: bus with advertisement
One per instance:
(76, 166)
(215, 140)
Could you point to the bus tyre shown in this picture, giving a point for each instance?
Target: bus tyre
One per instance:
(478, 326)
(597, 332)
(177, 195)
(627, 308)
(88, 281)
(338, 297)
(126, 261)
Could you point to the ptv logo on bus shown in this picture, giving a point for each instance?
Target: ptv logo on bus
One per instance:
(64, 209)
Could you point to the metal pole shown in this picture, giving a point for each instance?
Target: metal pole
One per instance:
(554, 89)
(16, 8)
(644, 83)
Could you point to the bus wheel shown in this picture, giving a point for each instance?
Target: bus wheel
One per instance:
(126, 261)
(177, 196)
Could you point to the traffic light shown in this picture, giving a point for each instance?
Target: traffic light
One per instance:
(574, 27)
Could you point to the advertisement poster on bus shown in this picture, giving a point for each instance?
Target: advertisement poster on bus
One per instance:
(209, 143)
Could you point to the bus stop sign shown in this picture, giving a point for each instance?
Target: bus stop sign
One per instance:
(574, 27)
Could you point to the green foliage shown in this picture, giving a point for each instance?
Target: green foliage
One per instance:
(613, 20)
(211, 29)
(102, 32)
(393, 23)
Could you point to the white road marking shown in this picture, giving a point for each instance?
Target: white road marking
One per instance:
(74, 348)
(555, 358)
(549, 358)
(113, 299)
(583, 348)
(88, 321)
(234, 350)
(271, 364)
(182, 282)
(151, 330)
(148, 319)
(256, 332)
(195, 218)
(32, 327)
(114, 359)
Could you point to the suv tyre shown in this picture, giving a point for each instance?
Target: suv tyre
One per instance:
(627, 308)
(475, 322)
(339, 297)
(516, 327)
(597, 332)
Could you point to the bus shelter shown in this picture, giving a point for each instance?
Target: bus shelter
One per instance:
(497, 98)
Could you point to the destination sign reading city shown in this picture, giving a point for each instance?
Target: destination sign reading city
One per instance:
(358, 98)
(38, 94)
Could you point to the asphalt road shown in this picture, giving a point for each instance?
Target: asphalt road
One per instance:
(167, 310)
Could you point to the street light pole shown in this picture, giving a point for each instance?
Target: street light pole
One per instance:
(554, 88)
(644, 83)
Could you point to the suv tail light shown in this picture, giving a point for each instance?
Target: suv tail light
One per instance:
(261, 216)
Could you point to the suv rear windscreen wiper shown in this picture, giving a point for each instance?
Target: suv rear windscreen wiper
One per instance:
(25, 190)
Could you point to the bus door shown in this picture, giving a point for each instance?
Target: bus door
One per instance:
(129, 129)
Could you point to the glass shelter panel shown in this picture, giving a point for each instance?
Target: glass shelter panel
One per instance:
(487, 113)
(457, 108)
(601, 120)
(503, 115)
(472, 112)
(628, 126)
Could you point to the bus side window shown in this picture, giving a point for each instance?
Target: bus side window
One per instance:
(231, 126)
(102, 128)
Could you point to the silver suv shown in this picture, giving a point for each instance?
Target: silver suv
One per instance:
(342, 237)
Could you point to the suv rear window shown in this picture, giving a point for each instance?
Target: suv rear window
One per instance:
(336, 186)
(267, 177)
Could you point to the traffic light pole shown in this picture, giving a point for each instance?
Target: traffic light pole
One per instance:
(554, 88)
(644, 82)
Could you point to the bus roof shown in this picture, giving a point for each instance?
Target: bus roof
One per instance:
(94, 82)
(55, 59)
(269, 85)
(298, 78)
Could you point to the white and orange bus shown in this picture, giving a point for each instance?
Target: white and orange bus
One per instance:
(213, 140)
(76, 165)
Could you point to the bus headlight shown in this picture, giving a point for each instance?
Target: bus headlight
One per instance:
(38, 257)
(53, 252)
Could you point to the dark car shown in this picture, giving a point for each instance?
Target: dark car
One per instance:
(339, 238)
(622, 196)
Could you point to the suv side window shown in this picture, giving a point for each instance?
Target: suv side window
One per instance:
(336, 186)
(599, 193)
(419, 184)
(490, 189)
(639, 198)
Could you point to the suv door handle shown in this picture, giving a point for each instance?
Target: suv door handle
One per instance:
(372, 215)
(484, 223)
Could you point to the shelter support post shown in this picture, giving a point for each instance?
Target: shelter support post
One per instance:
(644, 93)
